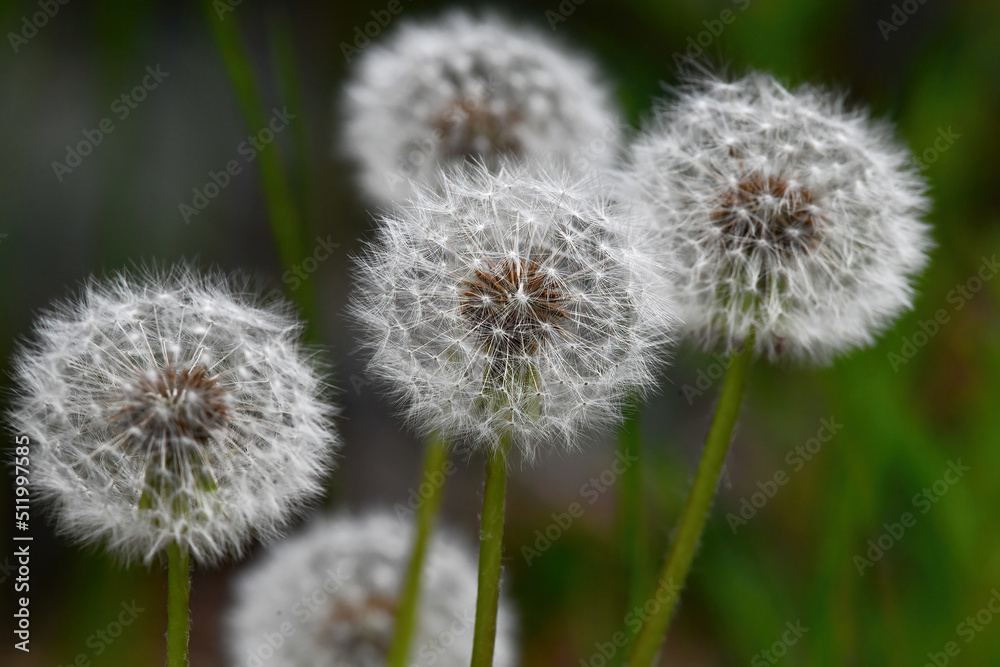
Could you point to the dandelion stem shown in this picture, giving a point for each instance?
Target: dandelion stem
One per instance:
(631, 510)
(435, 461)
(490, 552)
(692, 522)
(178, 609)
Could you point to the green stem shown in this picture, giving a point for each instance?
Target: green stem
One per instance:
(435, 463)
(178, 609)
(631, 509)
(490, 553)
(678, 562)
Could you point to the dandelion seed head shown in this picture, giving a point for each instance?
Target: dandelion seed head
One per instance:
(788, 214)
(463, 89)
(350, 572)
(167, 407)
(512, 304)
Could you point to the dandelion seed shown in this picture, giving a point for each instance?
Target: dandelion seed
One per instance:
(167, 408)
(790, 216)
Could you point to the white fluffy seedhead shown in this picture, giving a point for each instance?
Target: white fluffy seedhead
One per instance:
(511, 304)
(442, 93)
(330, 598)
(790, 216)
(165, 407)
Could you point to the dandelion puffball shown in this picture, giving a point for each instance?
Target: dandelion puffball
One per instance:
(791, 217)
(436, 94)
(166, 407)
(510, 304)
(329, 597)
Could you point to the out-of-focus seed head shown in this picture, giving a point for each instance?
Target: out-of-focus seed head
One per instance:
(464, 89)
(336, 587)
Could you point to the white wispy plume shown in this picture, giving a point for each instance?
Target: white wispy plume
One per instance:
(440, 93)
(790, 215)
(512, 304)
(166, 407)
(329, 597)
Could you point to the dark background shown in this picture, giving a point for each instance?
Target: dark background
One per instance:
(902, 422)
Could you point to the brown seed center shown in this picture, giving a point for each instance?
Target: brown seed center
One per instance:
(768, 211)
(171, 407)
(364, 626)
(471, 130)
(513, 306)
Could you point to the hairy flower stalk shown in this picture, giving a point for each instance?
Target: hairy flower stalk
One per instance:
(796, 226)
(511, 312)
(172, 414)
(462, 89)
(337, 586)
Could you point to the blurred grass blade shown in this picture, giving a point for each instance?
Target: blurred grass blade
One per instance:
(631, 510)
(407, 615)
(286, 224)
(279, 32)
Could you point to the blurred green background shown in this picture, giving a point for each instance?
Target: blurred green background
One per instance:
(901, 422)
